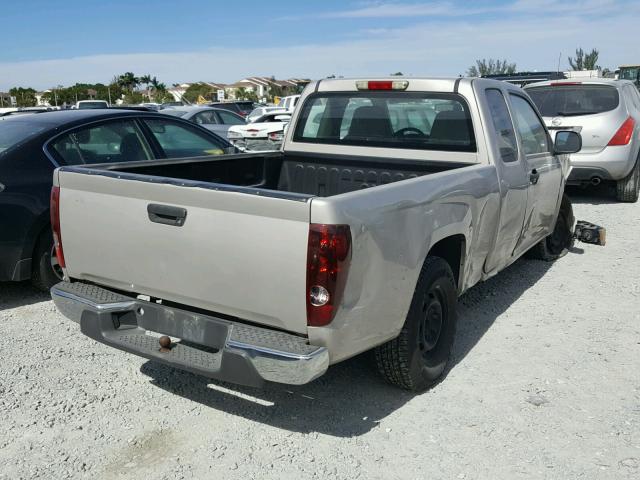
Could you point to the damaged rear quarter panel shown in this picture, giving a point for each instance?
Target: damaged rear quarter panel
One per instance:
(393, 227)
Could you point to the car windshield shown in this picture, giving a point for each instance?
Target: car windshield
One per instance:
(175, 113)
(574, 99)
(271, 117)
(14, 132)
(245, 107)
(430, 121)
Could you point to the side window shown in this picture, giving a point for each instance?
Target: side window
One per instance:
(507, 142)
(315, 114)
(206, 118)
(179, 141)
(109, 142)
(228, 118)
(532, 132)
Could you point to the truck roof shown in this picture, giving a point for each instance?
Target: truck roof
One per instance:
(415, 84)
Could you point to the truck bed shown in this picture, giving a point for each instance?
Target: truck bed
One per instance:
(311, 175)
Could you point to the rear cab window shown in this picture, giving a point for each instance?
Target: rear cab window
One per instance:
(501, 119)
(572, 99)
(408, 120)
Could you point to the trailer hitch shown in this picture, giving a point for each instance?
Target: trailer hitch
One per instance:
(589, 233)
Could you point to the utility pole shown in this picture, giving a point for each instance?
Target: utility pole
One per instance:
(109, 92)
(559, 58)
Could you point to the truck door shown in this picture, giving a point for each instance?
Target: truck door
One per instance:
(543, 169)
(514, 181)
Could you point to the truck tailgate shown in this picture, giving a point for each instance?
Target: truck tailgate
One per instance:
(236, 253)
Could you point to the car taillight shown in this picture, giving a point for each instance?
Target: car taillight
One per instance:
(328, 257)
(382, 84)
(624, 133)
(55, 225)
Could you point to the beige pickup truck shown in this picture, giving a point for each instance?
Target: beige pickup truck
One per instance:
(389, 199)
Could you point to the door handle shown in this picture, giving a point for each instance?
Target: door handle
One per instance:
(167, 214)
(534, 176)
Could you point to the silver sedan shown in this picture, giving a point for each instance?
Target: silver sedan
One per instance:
(215, 119)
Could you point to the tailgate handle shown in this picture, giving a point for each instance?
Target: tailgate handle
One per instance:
(166, 214)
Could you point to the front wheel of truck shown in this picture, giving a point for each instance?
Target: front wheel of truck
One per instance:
(556, 244)
(417, 358)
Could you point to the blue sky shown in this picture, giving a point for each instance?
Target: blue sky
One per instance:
(191, 40)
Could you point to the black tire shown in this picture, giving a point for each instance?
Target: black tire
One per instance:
(628, 188)
(561, 239)
(417, 358)
(45, 273)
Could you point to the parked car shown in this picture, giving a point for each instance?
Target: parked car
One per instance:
(215, 119)
(264, 133)
(91, 104)
(271, 266)
(289, 103)
(152, 106)
(171, 104)
(630, 72)
(606, 112)
(242, 108)
(32, 146)
(260, 111)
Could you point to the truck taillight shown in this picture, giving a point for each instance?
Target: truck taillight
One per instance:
(624, 133)
(55, 225)
(328, 258)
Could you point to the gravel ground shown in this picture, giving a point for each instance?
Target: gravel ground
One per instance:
(545, 384)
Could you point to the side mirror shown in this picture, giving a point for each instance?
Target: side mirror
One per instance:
(567, 142)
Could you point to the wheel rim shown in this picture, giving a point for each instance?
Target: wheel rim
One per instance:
(55, 265)
(432, 322)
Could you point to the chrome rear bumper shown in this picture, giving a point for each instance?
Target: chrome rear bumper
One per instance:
(207, 345)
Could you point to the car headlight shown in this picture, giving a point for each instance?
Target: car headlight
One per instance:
(234, 135)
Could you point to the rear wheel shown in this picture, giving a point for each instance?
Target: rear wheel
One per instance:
(628, 188)
(46, 271)
(560, 240)
(418, 357)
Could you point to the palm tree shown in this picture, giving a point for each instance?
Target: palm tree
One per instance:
(146, 79)
(128, 80)
(157, 85)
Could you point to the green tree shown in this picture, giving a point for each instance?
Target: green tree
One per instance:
(276, 91)
(133, 98)
(146, 79)
(195, 90)
(245, 94)
(25, 97)
(585, 61)
(83, 91)
(491, 67)
(128, 81)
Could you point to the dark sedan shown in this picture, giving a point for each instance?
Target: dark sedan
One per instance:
(32, 146)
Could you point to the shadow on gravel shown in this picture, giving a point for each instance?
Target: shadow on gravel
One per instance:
(17, 294)
(350, 399)
(603, 194)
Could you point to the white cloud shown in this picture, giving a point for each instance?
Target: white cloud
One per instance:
(442, 9)
(433, 48)
(386, 10)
